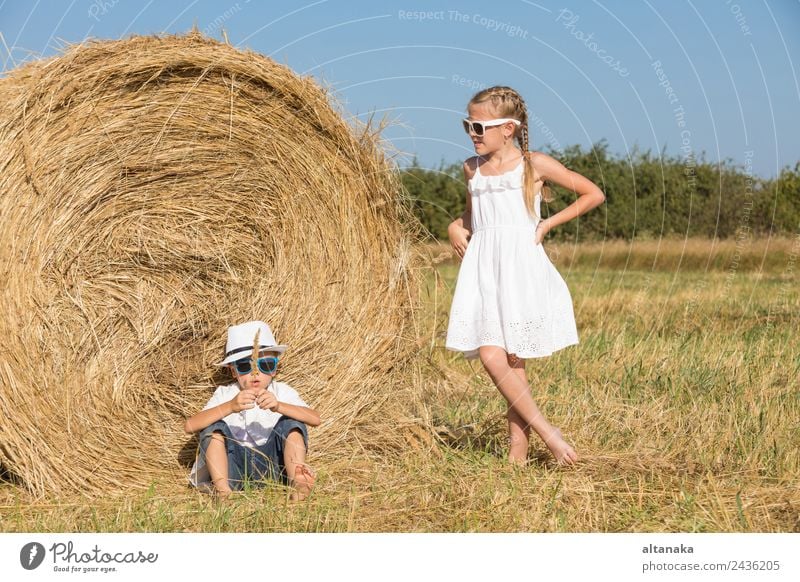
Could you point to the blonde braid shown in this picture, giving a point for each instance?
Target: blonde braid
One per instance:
(508, 103)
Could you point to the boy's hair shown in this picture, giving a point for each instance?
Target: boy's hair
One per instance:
(506, 102)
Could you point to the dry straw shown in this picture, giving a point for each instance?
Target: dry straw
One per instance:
(154, 191)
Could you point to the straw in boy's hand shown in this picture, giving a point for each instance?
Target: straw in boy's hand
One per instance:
(254, 357)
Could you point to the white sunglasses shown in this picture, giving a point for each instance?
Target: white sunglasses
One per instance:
(479, 127)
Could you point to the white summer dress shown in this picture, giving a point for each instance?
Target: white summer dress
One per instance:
(508, 293)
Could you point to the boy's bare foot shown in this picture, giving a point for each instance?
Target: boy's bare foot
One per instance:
(303, 482)
(221, 494)
(221, 497)
(562, 451)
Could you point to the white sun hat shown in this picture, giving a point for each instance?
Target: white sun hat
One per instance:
(241, 337)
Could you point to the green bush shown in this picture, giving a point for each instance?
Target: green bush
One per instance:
(647, 196)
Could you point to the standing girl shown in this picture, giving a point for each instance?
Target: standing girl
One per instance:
(510, 303)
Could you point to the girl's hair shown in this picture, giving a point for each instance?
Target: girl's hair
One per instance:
(508, 103)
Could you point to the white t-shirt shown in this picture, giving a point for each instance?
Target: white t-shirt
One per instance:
(250, 428)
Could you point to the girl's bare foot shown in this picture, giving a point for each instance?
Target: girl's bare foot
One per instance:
(303, 482)
(517, 461)
(517, 451)
(562, 451)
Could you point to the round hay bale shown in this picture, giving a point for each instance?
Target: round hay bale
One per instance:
(153, 191)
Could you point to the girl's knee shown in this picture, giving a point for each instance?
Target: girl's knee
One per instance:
(515, 362)
(495, 360)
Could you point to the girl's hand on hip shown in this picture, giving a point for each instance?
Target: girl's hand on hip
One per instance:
(541, 230)
(459, 239)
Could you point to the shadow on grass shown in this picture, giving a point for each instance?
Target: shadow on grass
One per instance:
(489, 438)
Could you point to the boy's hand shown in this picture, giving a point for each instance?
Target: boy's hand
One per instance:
(245, 400)
(266, 400)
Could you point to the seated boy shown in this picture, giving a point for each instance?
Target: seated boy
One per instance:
(255, 428)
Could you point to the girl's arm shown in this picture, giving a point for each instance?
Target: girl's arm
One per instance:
(589, 195)
(460, 229)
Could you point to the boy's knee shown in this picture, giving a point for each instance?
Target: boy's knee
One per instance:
(216, 432)
(296, 434)
(287, 426)
(217, 437)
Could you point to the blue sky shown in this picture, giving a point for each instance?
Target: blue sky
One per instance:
(684, 76)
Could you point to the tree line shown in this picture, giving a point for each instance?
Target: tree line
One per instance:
(647, 196)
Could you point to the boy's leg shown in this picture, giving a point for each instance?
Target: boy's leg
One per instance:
(217, 461)
(287, 448)
(294, 460)
(517, 393)
(218, 448)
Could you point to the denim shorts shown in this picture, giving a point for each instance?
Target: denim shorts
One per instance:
(254, 465)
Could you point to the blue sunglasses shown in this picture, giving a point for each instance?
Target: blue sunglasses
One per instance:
(267, 365)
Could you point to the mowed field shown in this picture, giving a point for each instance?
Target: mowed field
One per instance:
(682, 401)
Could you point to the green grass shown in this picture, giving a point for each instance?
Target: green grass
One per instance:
(681, 399)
